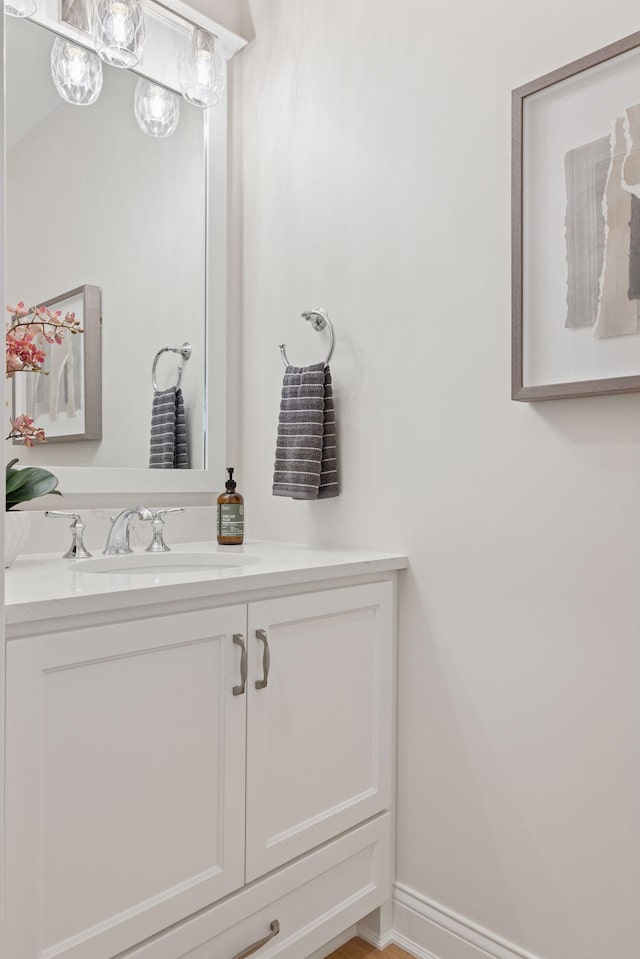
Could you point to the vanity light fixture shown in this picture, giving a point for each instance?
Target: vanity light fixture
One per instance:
(20, 8)
(202, 69)
(76, 72)
(157, 109)
(118, 31)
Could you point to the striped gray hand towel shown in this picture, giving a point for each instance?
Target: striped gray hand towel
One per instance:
(169, 443)
(306, 453)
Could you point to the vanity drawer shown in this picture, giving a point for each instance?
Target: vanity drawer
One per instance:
(313, 900)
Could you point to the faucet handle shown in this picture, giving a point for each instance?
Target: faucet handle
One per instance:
(161, 513)
(77, 549)
(157, 544)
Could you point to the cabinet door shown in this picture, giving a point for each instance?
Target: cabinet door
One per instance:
(125, 781)
(319, 719)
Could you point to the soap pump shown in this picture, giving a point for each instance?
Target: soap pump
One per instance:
(230, 514)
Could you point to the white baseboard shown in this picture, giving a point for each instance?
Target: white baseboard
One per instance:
(377, 927)
(411, 947)
(379, 942)
(428, 930)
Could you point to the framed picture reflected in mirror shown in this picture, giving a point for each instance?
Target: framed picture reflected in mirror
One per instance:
(66, 398)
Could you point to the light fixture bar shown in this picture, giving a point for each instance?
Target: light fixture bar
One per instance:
(181, 14)
(181, 18)
(76, 14)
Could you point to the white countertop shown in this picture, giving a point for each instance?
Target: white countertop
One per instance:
(45, 586)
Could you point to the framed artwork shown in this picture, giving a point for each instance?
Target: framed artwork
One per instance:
(67, 402)
(576, 228)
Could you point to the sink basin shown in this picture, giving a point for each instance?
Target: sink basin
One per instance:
(144, 563)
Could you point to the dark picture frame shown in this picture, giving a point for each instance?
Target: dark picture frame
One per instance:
(593, 387)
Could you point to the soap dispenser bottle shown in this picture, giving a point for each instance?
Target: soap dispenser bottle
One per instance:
(230, 514)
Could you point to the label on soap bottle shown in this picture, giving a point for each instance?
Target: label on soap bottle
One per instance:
(230, 519)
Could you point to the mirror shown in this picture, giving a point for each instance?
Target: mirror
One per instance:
(110, 223)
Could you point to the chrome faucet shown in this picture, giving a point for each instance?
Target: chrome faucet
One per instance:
(118, 538)
(77, 550)
(157, 544)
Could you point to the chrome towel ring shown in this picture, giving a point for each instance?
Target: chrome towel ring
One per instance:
(319, 319)
(185, 352)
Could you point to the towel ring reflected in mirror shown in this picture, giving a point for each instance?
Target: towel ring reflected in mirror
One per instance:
(185, 352)
(319, 319)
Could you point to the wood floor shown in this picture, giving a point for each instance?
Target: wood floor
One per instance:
(359, 949)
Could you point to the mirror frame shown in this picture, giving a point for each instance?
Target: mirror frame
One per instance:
(167, 25)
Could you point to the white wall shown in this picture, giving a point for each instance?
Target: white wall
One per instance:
(376, 184)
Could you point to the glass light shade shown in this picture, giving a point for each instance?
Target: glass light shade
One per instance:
(202, 69)
(157, 109)
(20, 8)
(118, 31)
(76, 72)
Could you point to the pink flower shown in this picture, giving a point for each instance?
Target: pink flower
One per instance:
(22, 428)
(13, 363)
(24, 352)
(19, 309)
(22, 421)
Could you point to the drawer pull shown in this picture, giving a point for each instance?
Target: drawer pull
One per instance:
(238, 639)
(261, 634)
(275, 929)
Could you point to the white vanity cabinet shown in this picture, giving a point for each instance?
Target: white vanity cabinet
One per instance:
(125, 785)
(178, 784)
(319, 733)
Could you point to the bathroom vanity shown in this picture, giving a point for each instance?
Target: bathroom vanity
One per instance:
(198, 750)
(199, 758)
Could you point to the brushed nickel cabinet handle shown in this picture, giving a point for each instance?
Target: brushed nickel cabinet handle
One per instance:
(275, 929)
(238, 639)
(261, 634)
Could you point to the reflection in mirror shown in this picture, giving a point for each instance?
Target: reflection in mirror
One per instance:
(97, 207)
(65, 399)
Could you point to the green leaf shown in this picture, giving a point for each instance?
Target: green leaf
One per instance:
(16, 480)
(27, 484)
